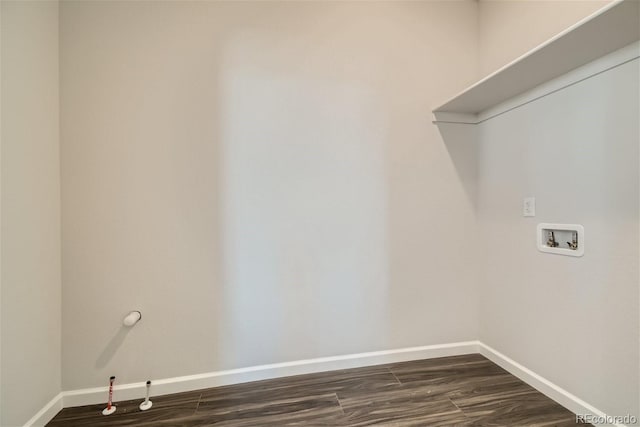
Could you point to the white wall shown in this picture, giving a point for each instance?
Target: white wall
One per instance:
(261, 180)
(510, 28)
(572, 320)
(30, 232)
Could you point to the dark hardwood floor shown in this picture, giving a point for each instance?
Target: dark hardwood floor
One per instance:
(450, 391)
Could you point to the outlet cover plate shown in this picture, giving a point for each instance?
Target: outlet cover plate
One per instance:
(529, 206)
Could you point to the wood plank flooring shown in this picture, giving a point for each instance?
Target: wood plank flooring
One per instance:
(450, 391)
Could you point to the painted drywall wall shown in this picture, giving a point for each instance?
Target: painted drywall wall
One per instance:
(261, 180)
(572, 320)
(30, 311)
(510, 28)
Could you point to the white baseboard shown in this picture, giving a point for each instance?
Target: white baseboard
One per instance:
(255, 373)
(543, 385)
(164, 386)
(45, 414)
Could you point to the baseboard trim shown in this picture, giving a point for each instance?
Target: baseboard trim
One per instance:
(130, 391)
(47, 413)
(543, 385)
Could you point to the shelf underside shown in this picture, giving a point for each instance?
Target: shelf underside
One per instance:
(610, 29)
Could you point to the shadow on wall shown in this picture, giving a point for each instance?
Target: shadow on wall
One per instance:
(461, 142)
(112, 347)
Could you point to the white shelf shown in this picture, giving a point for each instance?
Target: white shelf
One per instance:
(609, 29)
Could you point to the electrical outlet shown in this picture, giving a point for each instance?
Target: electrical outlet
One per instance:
(529, 206)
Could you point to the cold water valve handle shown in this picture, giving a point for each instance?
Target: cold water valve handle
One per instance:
(574, 241)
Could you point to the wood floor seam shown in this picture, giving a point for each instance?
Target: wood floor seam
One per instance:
(340, 404)
(394, 376)
(198, 404)
(454, 404)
